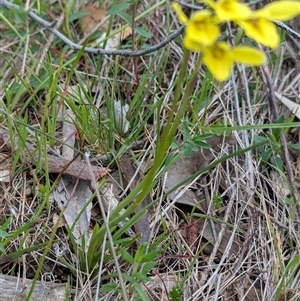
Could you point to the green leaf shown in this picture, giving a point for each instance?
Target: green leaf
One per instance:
(217, 201)
(116, 9)
(151, 256)
(267, 155)
(289, 201)
(14, 255)
(139, 255)
(205, 136)
(147, 267)
(125, 17)
(258, 139)
(174, 145)
(194, 147)
(2, 249)
(107, 288)
(187, 150)
(77, 15)
(277, 132)
(175, 293)
(272, 138)
(294, 146)
(142, 276)
(201, 143)
(20, 16)
(141, 292)
(279, 163)
(4, 234)
(125, 255)
(143, 32)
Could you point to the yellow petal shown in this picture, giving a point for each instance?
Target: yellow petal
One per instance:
(231, 10)
(262, 31)
(280, 10)
(210, 3)
(191, 45)
(202, 28)
(247, 55)
(181, 15)
(218, 60)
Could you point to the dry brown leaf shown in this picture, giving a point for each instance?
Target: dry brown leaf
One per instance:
(69, 134)
(192, 233)
(245, 290)
(114, 42)
(200, 228)
(125, 33)
(56, 164)
(185, 167)
(161, 286)
(110, 200)
(91, 21)
(292, 106)
(71, 195)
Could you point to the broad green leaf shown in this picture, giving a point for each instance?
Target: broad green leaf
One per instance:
(125, 17)
(77, 15)
(116, 9)
(2, 249)
(143, 32)
(125, 255)
(142, 276)
(187, 150)
(141, 292)
(139, 255)
(201, 143)
(4, 234)
(258, 139)
(107, 288)
(294, 146)
(151, 255)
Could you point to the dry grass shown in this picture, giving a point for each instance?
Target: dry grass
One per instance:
(254, 246)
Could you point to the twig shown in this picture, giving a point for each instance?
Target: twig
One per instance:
(51, 27)
(289, 30)
(49, 42)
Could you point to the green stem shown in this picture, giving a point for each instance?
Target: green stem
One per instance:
(142, 189)
(169, 132)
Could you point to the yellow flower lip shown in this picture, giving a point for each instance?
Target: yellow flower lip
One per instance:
(220, 58)
(262, 31)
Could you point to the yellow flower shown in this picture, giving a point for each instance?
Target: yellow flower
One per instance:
(262, 31)
(201, 28)
(181, 15)
(229, 10)
(280, 10)
(220, 58)
(260, 27)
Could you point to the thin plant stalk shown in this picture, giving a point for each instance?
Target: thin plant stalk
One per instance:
(106, 225)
